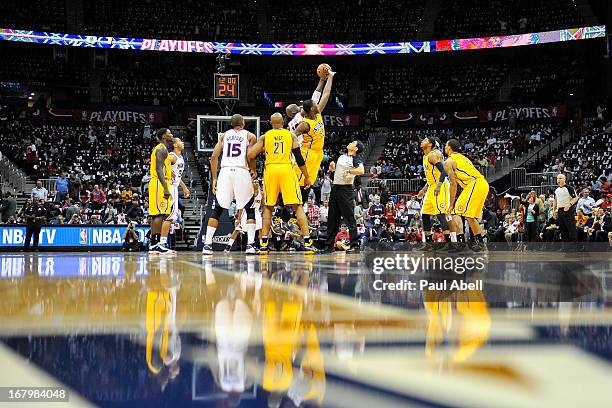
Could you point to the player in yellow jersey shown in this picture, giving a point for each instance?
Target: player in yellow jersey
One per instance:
(312, 130)
(160, 198)
(279, 144)
(436, 192)
(471, 201)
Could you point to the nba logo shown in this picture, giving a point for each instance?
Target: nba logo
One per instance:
(83, 237)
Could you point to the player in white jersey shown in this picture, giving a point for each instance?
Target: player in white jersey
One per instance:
(294, 112)
(241, 217)
(234, 180)
(178, 167)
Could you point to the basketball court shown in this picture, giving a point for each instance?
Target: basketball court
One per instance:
(137, 329)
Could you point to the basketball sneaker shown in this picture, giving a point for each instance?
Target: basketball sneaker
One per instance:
(251, 250)
(153, 249)
(263, 246)
(309, 247)
(163, 250)
(207, 250)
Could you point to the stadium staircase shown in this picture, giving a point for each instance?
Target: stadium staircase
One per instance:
(196, 204)
(374, 148)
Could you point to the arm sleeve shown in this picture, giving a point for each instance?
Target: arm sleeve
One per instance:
(440, 167)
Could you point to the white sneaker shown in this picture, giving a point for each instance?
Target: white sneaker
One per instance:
(207, 250)
(251, 250)
(163, 250)
(153, 249)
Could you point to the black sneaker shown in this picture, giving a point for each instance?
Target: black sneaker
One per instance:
(355, 249)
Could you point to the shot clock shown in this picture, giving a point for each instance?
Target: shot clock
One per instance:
(226, 86)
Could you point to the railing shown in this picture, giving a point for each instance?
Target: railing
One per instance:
(50, 184)
(395, 185)
(12, 175)
(539, 182)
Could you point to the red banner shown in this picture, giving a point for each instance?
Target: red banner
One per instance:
(531, 112)
(495, 115)
(106, 115)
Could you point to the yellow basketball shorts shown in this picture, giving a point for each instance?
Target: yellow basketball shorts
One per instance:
(280, 179)
(313, 159)
(472, 199)
(436, 204)
(158, 205)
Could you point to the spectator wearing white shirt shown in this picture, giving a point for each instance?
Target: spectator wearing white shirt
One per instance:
(39, 192)
(586, 202)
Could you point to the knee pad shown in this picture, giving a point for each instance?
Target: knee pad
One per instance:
(250, 212)
(216, 212)
(426, 222)
(443, 222)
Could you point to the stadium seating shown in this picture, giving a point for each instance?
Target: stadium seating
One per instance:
(155, 82)
(345, 21)
(402, 157)
(192, 20)
(587, 159)
(39, 15)
(476, 18)
(454, 83)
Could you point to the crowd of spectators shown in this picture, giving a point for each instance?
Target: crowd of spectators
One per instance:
(403, 157)
(476, 18)
(39, 15)
(457, 84)
(159, 82)
(207, 20)
(346, 21)
(92, 174)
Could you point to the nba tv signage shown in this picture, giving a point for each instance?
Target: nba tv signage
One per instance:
(81, 236)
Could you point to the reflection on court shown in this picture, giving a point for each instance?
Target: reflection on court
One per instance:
(307, 331)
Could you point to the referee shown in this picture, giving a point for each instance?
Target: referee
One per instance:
(341, 201)
(565, 205)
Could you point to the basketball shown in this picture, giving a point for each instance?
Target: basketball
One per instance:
(323, 70)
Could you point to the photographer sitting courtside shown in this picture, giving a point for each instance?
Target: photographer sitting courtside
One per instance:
(130, 239)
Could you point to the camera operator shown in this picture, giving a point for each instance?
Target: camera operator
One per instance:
(130, 239)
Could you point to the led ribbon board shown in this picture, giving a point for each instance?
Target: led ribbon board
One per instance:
(72, 40)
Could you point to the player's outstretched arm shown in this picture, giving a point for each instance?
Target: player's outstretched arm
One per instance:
(256, 148)
(299, 160)
(160, 157)
(326, 92)
(214, 163)
(316, 95)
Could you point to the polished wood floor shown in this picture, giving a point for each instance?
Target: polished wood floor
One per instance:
(295, 330)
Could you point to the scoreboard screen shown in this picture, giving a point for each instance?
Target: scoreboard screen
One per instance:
(226, 86)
